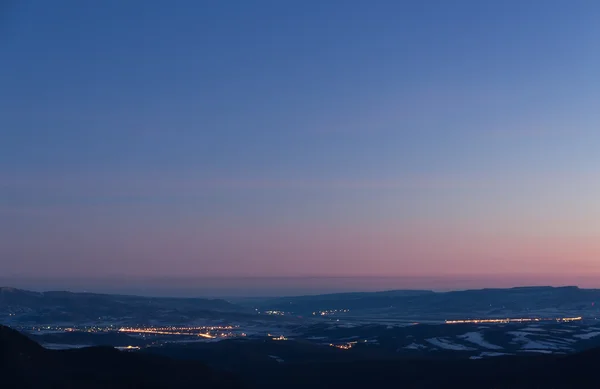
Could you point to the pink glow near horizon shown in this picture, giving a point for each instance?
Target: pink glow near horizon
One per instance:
(295, 251)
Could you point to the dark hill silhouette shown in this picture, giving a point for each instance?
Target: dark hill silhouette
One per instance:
(25, 364)
(523, 372)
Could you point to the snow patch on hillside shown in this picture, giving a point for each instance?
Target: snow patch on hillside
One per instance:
(587, 336)
(447, 345)
(477, 338)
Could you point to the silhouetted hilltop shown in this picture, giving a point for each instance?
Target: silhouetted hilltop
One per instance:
(25, 364)
(17, 349)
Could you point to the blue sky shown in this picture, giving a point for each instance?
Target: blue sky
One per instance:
(223, 134)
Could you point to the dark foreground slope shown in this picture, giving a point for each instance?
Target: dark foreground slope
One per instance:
(293, 365)
(25, 364)
(579, 372)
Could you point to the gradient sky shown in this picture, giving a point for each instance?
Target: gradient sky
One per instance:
(301, 138)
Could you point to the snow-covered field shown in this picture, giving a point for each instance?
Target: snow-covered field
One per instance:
(522, 338)
(275, 357)
(415, 346)
(533, 329)
(489, 354)
(477, 338)
(539, 351)
(587, 336)
(56, 346)
(446, 344)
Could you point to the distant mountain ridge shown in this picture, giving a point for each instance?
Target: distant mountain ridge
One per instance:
(492, 301)
(10, 295)
(26, 307)
(62, 306)
(7, 291)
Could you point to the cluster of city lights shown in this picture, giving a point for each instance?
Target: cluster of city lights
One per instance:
(208, 332)
(68, 329)
(156, 331)
(280, 337)
(276, 313)
(330, 312)
(89, 329)
(514, 320)
(344, 346)
(128, 348)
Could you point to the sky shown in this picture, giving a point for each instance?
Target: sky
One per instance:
(431, 141)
